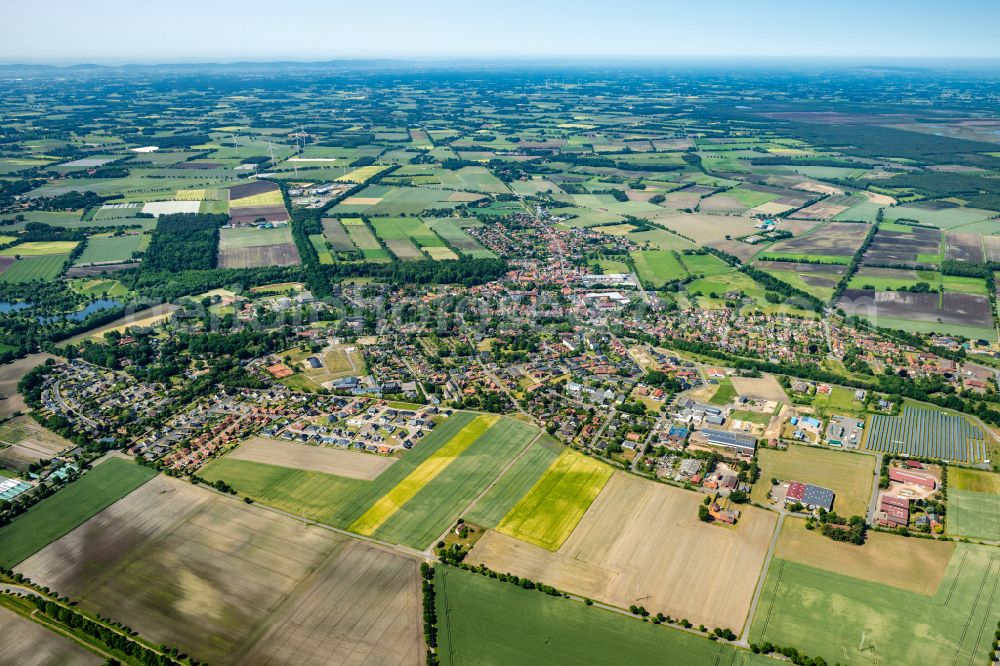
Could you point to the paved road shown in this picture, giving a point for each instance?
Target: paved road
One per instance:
(873, 502)
(745, 634)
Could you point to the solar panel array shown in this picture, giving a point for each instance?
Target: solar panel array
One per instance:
(928, 433)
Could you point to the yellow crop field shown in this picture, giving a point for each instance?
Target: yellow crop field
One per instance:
(272, 198)
(547, 515)
(361, 174)
(423, 474)
(39, 248)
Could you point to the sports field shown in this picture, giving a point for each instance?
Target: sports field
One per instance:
(108, 249)
(483, 621)
(60, 513)
(515, 484)
(46, 267)
(853, 621)
(231, 583)
(557, 501)
(642, 543)
(848, 475)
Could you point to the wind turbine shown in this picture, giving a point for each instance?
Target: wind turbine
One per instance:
(236, 146)
(270, 149)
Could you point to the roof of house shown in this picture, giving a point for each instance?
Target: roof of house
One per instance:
(732, 439)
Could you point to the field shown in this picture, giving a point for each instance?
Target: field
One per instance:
(973, 503)
(351, 464)
(362, 237)
(830, 240)
(57, 515)
(26, 642)
(547, 515)
(483, 621)
(318, 241)
(917, 565)
(870, 623)
(512, 486)
(848, 475)
(658, 267)
(839, 401)
(10, 374)
(24, 442)
(362, 174)
(272, 198)
(110, 249)
(404, 235)
(401, 200)
(39, 249)
(228, 583)
(816, 279)
(46, 267)
(641, 542)
(412, 502)
(252, 248)
(99, 288)
(147, 317)
(406, 489)
(337, 236)
(338, 361)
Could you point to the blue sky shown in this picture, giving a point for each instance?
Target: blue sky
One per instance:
(178, 30)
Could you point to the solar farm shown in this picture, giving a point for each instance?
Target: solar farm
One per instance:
(929, 433)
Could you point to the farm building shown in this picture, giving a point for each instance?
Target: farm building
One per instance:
(901, 475)
(895, 511)
(11, 488)
(813, 497)
(743, 445)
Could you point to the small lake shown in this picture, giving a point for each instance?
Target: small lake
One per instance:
(96, 306)
(7, 306)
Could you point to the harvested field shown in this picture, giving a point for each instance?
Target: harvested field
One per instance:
(821, 210)
(337, 236)
(253, 248)
(251, 188)
(24, 442)
(252, 214)
(964, 247)
(992, 247)
(92, 271)
(245, 585)
(404, 249)
(642, 543)
(352, 464)
(147, 317)
(917, 565)
(917, 246)
(157, 208)
(762, 388)
(837, 239)
(27, 643)
(959, 309)
(10, 374)
(848, 475)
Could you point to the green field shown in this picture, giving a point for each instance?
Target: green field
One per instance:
(397, 506)
(34, 268)
(322, 251)
(99, 287)
(483, 621)
(337, 236)
(973, 514)
(852, 621)
(750, 198)
(330, 499)
(105, 249)
(439, 503)
(70, 507)
(515, 484)
(39, 249)
(724, 394)
(839, 401)
(241, 237)
(458, 238)
(555, 504)
(365, 240)
(658, 267)
(704, 264)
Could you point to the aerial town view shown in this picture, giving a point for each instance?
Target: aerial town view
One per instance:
(499, 335)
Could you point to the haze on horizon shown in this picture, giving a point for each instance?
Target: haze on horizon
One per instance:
(66, 31)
